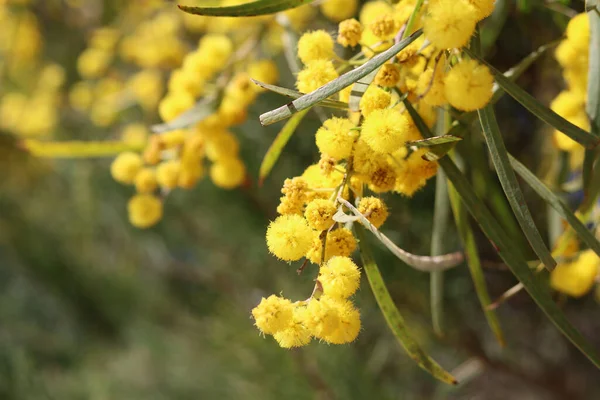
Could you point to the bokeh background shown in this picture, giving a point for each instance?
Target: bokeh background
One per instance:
(93, 308)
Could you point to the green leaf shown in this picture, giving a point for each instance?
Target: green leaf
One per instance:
(259, 7)
(508, 251)
(441, 210)
(539, 110)
(434, 141)
(508, 180)
(200, 111)
(393, 317)
(295, 94)
(474, 263)
(329, 89)
(556, 203)
(278, 144)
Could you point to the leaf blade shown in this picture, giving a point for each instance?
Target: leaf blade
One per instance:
(393, 317)
(255, 8)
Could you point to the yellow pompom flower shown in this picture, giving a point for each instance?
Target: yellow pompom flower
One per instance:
(483, 8)
(568, 103)
(289, 237)
(372, 9)
(383, 178)
(167, 173)
(349, 32)
(126, 166)
(340, 243)
(93, 63)
(222, 145)
(383, 26)
(340, 277)
(374, 210)
(316, 74)
(335, 138)
(296, 334)
(431, 88)
(174, 104)
(578, 32)
(315, 45)
(215, 47)
(183, 81)
(264, 71)
(450, 23)
(468, 86)
(319, 214)
(190, 174)
(322, 316)
(374, 98)
(273, 314)
(338, 10)
(577, 277)
(145, 181)
(385, 130)
(228, 173)
(144, 210)
(135, 134)
(349, 326)
(388, 75)
(81, 95)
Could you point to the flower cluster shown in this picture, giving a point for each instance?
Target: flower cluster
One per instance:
(370, 149)
(328, 315)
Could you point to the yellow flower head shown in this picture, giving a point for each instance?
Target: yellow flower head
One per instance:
(316, 74)
(174, 104)
(375, 98)
(335, 138)
(315, 45)
(144, 210)
(576, 278)
(323, 316)
(319, 214)
(296, 334)
(222, 145)
(264, 71)
(483, 8)
(383, 25)
(383, 179)
(578, 32)
(340, 242)
(295, 189)
(468, 86)
(385, 130)
(450, 23)
(167, 173)
(273, 314)
(349, 326)
(349, 32)
(374, 209)
(190, 174)
(145, 181)
(414, 173)
(373, 9)
(388, 75)
(340, 277)
(126, 166)
(338, 10)
(289, 237)
(431, 88)
(228, 173)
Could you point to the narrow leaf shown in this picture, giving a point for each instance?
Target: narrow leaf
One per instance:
(393, 317)
(508, 251)
(295, 94)
(472, 255)
(441, 211)
(556, 203)
(508, 180)
(539, 110)
(434, 141)
(310, 99)
(200, 111)
(259, 7)
(359, 88)
(421, 263)
(278, 144)
(77, 149)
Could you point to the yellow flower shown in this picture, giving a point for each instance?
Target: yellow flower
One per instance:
(316, 74)
(385, 130)
(483, 8)
(296, 334)
(340, 277)
(190, 174)
(468, 85)
(431, 88)
(273, 314)
(145, 210)
(264, 71)
(93, 63)
(126, 166)
(349, 32)
(145, 181)
(315, 45)
(388, 75)
(577, 277)
(335, 138)
(319, 214)
(289, 237)
(374, 210)
(167, 173)
(174, 104)
(228, 173)
(337, 10)
(375, 98)
(349, 326)
(340, 242)
(322, 316)
(383, 25)
(450, 23)
(222, 145)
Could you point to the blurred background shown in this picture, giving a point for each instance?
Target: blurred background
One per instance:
(93, 308)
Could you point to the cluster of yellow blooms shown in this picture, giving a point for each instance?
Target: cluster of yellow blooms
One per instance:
(575, 277)
(370, 149)
(30, 105)
(572, 55)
